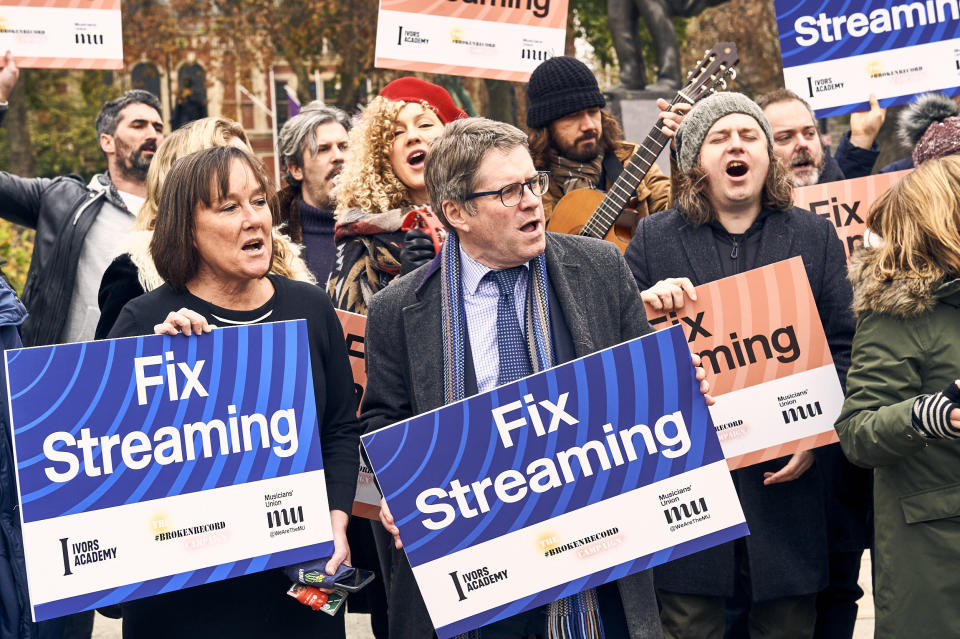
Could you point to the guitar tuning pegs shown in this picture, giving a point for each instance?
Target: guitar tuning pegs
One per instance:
(689, 73)
(712, 90)
(732, 73)
(723, 84)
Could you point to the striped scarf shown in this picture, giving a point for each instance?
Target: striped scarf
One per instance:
(578, 616)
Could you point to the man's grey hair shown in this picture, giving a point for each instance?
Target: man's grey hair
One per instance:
(298, 133)
(109, 116)
(451, 167)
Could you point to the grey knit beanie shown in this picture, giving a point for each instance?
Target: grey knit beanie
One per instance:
(704, 114)
(560, 86)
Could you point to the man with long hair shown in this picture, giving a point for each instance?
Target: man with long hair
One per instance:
(313, 149)
(797, 143)
(573, 137)
(734, 213)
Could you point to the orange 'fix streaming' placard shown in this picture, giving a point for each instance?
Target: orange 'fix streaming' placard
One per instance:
(62, 34)
(762, 345)
(366, 503)
(845, 204)
(496, 39)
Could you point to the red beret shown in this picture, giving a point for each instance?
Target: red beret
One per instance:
(412, 89)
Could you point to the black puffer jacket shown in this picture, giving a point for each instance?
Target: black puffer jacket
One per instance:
(61, 210)
(14, 600)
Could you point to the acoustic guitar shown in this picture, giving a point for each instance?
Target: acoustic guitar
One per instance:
(601, 215)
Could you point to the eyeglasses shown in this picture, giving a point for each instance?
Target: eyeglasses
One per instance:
(511, 194)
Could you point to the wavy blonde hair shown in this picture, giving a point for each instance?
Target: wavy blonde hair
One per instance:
(368, 182)
(919, 221)
(196, 136)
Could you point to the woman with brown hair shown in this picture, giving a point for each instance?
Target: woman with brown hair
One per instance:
(134, 273)
(901, 416)
(381, 183)
(213, 248)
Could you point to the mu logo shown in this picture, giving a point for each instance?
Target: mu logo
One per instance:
(685, 511)
(289, 516)
(801, 412)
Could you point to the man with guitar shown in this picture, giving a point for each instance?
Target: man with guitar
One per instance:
(581, 144)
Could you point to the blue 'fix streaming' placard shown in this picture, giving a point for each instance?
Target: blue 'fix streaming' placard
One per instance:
(562, 481)
(151, 464)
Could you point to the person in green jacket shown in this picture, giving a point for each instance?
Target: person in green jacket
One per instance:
(901, 416)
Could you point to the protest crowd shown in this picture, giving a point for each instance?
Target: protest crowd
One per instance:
(185, 233)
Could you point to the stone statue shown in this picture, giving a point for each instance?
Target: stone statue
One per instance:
(658, 15)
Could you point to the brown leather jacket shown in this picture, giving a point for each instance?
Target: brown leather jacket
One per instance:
(653, 192)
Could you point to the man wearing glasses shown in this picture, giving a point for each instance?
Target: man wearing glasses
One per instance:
(502, 300)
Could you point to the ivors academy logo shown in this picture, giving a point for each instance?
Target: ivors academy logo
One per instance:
(82, 553)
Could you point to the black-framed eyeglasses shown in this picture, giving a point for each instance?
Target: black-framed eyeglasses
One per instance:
(511, 194)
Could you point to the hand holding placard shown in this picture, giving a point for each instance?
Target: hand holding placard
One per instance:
(668, 294)
(556, 483)
(865, 125)
(8, 77)
(764, 351)
(386, 518)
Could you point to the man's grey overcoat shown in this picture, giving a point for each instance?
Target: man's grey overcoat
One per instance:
(601, 306)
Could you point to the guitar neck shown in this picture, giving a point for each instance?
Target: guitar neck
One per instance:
(707, 76)
(626, 185)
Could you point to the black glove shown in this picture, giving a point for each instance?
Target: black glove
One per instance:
(417, 250)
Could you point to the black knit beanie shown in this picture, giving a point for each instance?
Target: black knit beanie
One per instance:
(558, 87)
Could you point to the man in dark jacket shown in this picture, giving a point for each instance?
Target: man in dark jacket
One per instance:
(797, 143)
(484, 186)
(313, 147)
(734, 214)
(82, 228)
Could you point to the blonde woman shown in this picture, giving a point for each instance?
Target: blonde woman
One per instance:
(902, 412)
(381, 182)
(134, 272)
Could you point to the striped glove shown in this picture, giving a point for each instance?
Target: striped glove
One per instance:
(931, 414)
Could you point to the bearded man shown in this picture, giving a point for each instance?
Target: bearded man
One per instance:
(313, 148)
(796, 140)
(581, 144)
(82, 228)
